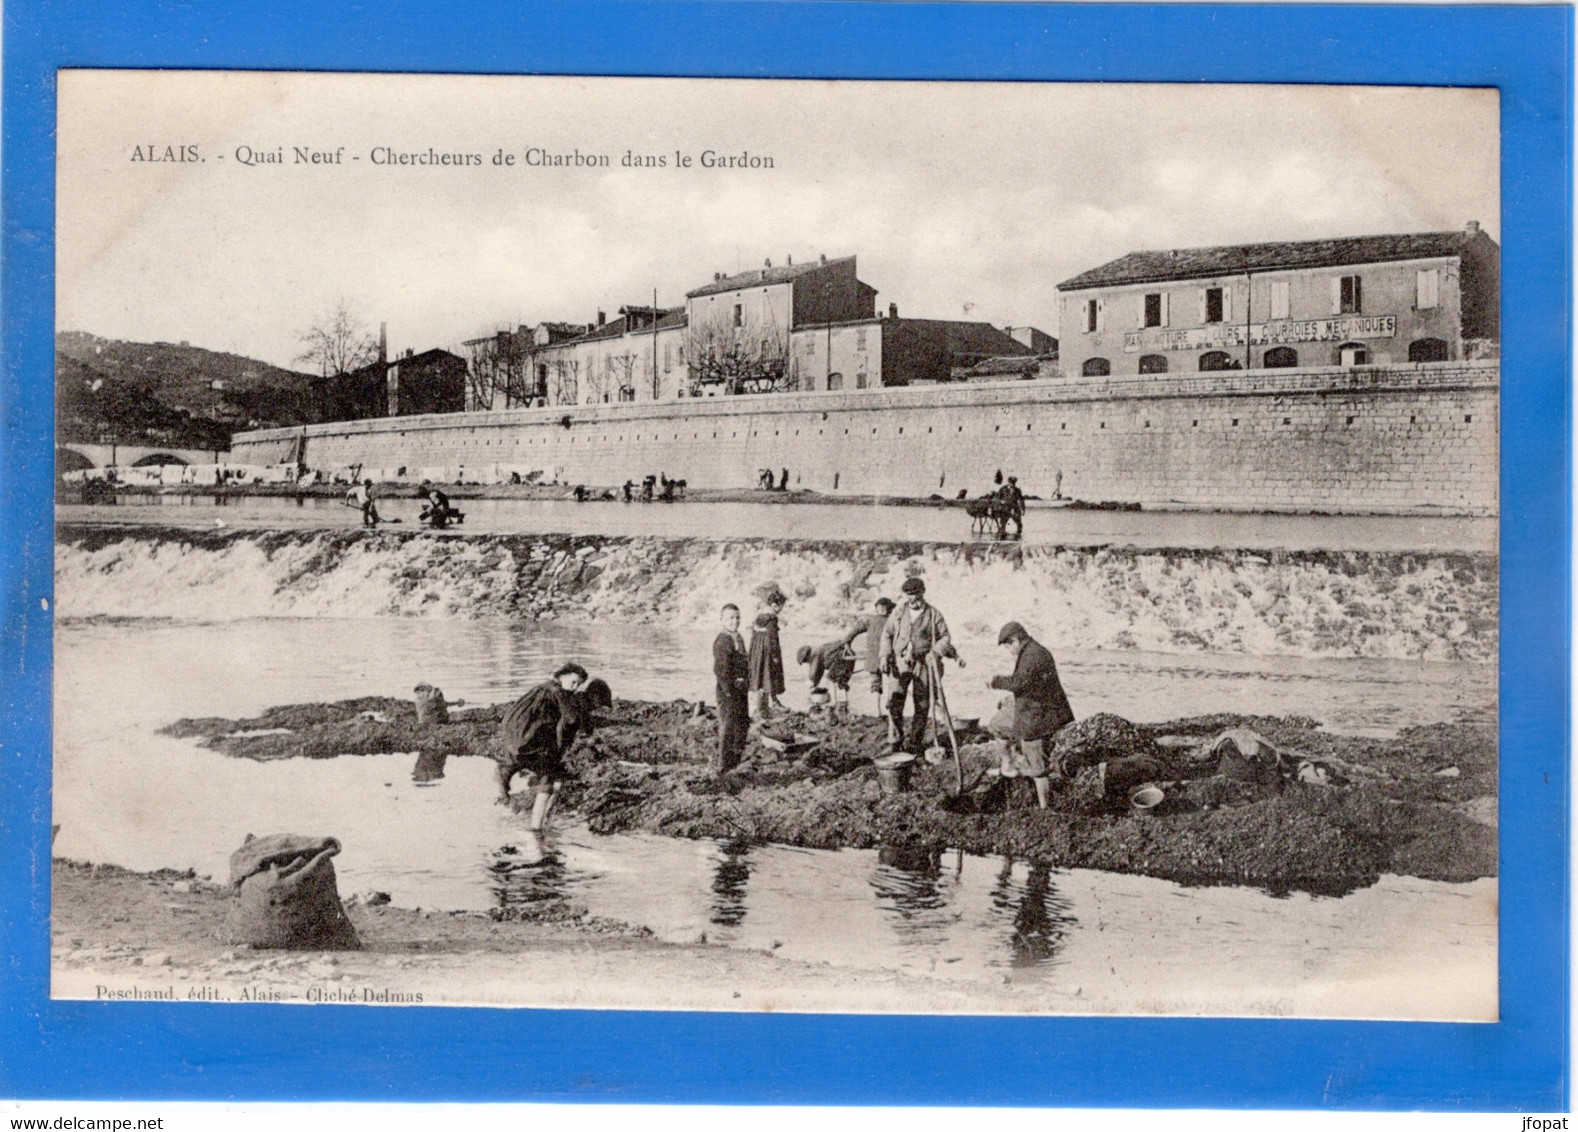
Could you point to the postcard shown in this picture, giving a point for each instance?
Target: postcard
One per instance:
(777, 546)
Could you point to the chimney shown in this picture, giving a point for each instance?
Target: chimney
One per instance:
(822, 259)
(601, 318)
(410, 351)
(893, 310)
(1472, 227)
(788, 261)
(717, 275)
(383, 342)
(767, 263)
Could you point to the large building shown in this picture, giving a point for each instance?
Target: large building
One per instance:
(870, 353)
(1370, 300)
(433, 381)
(740, 326)
(639, 356)
(804, 327)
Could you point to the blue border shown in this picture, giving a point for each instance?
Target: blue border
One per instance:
(213, 1053)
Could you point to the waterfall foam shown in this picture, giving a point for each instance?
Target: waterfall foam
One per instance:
(1294, 603)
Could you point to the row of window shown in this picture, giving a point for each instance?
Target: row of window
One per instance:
(1279, 357)
(860, 341)
(1216, 303)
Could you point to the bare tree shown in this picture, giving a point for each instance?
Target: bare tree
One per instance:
(338, 343)
(499, 367)
(566, 374)
(625, 375)
(482, 372)
(741, 359)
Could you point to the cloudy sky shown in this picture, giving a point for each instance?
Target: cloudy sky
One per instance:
(961, 200)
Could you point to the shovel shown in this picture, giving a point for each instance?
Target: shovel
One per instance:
(939, 708)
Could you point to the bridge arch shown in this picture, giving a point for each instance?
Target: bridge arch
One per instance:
(154, 459)
(70, 460)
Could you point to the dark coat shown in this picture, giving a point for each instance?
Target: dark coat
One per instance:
(539, 729)
(767, 659)
(732, 667)
(1040, 705)
(835, 660)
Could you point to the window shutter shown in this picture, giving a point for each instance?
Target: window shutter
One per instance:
(1139, 321)
(1202, 306)
(1164, 309)
(1336, 294)
(1227, 304)
(1279, 299)
(1358, 295)
(1101, 314)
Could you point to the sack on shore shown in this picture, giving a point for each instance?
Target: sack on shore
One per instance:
(286, 895)
(430, 705)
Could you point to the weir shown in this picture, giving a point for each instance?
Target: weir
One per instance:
(1402, 606)
(1391, 439)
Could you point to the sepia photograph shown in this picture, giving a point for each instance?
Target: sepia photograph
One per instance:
(746, 545)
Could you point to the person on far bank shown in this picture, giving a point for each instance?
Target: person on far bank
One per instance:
(1015, 500)
(1041, 707)
(437, 513)
(767, 658)
(361, 496)
(731, 666)
(914, 634)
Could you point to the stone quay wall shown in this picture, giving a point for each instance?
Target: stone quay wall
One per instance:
(1412, 438)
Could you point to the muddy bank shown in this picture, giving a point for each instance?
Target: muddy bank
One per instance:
(156, 936)
(1340, 812)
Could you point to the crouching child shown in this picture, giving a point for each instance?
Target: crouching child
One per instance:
(538, 731)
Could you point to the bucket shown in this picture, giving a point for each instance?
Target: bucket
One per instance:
(893, 773)
(1145, 799)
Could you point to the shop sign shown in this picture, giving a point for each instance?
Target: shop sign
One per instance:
(1222, 334)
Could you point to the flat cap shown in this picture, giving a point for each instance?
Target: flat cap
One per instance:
(1011, 632)
(913, 586)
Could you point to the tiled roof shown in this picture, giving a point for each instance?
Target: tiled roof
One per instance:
(973, 337)
(763, 277)
(620, 326)
(1198, 263)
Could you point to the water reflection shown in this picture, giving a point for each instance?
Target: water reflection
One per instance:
(728, 883)
(531, 880)
(1041, 916)
(909, 885)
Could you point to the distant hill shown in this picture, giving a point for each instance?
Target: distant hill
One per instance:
(177, 395)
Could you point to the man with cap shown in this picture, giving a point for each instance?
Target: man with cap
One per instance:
(1040, 705)
(914, 632)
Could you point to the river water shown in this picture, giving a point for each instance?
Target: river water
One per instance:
(1044, 526)
(1076, 940)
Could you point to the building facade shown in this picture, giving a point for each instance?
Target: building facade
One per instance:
(1376, 300)
(433, 381)
(739, 327)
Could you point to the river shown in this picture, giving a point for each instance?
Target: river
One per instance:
(1044, 526)
(1075, 940)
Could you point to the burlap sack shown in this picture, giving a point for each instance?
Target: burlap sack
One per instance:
(430, 705)
(286, 895)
